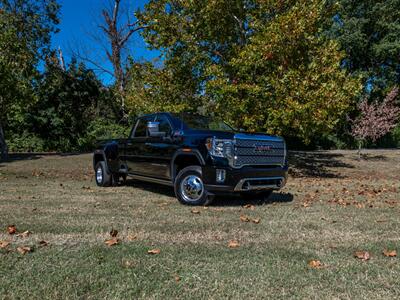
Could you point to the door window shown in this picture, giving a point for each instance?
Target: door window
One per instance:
(164, 125)
(141, 126)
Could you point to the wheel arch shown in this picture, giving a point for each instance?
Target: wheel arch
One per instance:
(182, 159)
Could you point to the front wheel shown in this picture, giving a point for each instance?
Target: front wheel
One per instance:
(189, 187)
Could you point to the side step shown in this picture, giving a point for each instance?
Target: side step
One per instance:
(151, 179)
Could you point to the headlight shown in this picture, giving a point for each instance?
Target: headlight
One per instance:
(219, 148)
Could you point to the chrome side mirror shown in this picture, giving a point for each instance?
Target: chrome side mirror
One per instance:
(153, 128)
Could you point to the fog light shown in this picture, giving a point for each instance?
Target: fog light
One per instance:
(221, 174)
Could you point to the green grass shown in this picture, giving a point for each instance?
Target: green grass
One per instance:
(332, 206)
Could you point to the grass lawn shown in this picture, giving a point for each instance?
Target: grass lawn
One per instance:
(332, 206)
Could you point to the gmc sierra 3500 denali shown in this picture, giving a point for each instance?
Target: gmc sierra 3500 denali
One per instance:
(199, 156)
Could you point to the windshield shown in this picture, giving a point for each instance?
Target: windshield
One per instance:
(204, 123)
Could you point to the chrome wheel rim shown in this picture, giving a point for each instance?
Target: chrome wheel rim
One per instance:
(99, 175)
(192, 188)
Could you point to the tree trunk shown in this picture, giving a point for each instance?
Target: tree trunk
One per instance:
(3, 145)
(359, 149)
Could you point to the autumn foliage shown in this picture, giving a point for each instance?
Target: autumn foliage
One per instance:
(376, 118)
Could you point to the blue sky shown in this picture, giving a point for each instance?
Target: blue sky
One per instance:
(80, 18)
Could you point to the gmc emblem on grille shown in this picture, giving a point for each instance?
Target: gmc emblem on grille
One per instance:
(262, 148)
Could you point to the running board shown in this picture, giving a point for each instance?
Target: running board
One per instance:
(151, 179)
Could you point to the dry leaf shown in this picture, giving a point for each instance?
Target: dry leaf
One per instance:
(233, 244)
(11, 229)
(24, 249)
(177, 278)
(315, 264)
(363, 255)
(113, 232)
(195, 211)
(154, 251)
(249, 206)
(43, 243)
(128, 263)
(390, 253)
(244, 218)
(4, 244)
(24, 234)
(112, 242)
(256, 221)
(132, 237)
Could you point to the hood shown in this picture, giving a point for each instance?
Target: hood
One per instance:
(233, 135)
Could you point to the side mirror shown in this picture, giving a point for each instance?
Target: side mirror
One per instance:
(154, 130)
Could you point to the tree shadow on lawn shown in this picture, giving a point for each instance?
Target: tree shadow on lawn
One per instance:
(13, 157)
(316, 164)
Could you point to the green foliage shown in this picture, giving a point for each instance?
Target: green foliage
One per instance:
(68, 103)
(26, 142)
(369, 32)
(102, 129)
(156, 89)
(25, 30)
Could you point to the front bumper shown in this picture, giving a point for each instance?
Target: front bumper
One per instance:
(247, 178)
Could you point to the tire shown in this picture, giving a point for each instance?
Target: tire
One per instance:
(102, 176)
(190, 189)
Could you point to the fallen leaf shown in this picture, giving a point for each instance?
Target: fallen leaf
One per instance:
(24, 249)
(43, 243)
(244, 218)
(256, 221)
(315, 264)
(195, 211)
(4, 244)
(24, 234)
(363, 255)
(128, 263)
(233, 244)
(249, 206)
(390, 253)
(11, 229)
(112, 242)
(154, 251)
(132, 237)
(113, 232)
(177, 278)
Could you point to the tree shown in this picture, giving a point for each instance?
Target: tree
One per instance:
(375, 119)
(369, 32)
(117, 30)
(68, 103)
(287, 79)
(192, 35)
(26, 27)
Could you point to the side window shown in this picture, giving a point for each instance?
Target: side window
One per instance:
(164, 125)
(141, 126)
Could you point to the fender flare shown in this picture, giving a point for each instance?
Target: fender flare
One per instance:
(180, 152)
(103, 154)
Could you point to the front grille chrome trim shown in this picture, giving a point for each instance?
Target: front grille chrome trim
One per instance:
(240, 185)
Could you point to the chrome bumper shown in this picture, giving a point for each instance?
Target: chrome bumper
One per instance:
(256, 184)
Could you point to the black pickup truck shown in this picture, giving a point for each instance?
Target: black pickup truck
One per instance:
(198, 156)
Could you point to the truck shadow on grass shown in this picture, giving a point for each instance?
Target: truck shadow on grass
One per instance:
(237, 200)
(316, 164)
(220, 200)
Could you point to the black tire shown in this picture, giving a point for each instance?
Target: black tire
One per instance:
(106, 178)
(188, 175)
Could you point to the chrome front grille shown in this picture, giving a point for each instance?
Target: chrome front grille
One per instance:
(259, 152)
